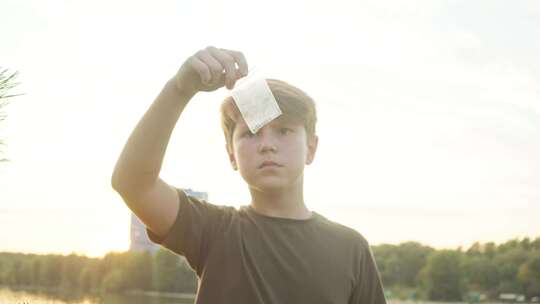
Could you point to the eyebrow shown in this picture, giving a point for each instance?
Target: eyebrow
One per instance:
(280, 122)
(288, 122)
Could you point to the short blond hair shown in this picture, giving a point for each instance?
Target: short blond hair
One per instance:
(294, 103)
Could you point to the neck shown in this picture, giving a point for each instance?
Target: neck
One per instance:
(283, 202)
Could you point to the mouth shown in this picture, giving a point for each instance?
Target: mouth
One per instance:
(269, 163)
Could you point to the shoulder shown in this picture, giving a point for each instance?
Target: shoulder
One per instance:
(344, 232)
(197, 208)
(199, 199)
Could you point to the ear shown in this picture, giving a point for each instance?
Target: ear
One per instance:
(232, 160)
(312, 149)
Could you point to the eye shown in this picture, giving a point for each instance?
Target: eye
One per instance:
(248, 134)
(284, 130)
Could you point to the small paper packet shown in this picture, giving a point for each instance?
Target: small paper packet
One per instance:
(255, 101)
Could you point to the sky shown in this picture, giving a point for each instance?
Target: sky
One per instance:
(428, 113)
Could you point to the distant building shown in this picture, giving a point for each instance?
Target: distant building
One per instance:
(139, 239)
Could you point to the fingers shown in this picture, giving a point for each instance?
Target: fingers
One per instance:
(202, 69)
(227, 61)
(241, 62)
(217, 60)
(212, 64)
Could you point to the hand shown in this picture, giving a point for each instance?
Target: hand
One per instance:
(210, 69)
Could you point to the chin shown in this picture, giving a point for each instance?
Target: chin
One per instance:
(268, 185)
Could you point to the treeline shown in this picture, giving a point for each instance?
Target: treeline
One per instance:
(454, 275)
(115, 272)
(408, 270)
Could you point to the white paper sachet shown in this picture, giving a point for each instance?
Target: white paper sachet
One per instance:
(255, 101)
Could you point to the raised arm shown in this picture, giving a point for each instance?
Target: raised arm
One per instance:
(136, 174)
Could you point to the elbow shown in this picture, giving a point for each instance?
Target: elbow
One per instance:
(119, 180)
(115, 181)
(129, 183)
(116, 177)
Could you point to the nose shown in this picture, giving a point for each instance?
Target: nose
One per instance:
(267, 140)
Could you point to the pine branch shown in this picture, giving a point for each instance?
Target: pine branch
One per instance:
(7, 83)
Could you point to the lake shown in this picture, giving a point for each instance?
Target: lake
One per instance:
(10, 296)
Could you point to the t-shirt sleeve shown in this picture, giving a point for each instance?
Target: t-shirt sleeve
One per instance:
(196, 226)
(368, 288)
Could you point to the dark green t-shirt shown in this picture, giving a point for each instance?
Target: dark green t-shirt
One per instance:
(241, 256)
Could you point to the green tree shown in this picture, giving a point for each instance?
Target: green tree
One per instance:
(50, 270)
(535, 245)
(490, 250)
(113, 271)
(6, 269)
(413, 258)
(24, 272)
(187, 278)
(91, 275)
(401, 264)
(476, 249)
(480, 273)
(72, 266)
(508, 246)
(529, 274)
(171, 272)
(114, 281)
(526, 243)
(386, 261)
(36, 268)
(508, 263)
(138, 268)
(441, 277)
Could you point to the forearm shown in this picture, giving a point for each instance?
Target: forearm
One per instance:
(140, 162)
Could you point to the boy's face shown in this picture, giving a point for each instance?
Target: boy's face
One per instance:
(274, 157)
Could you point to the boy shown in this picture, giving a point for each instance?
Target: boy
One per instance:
(272, 251)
